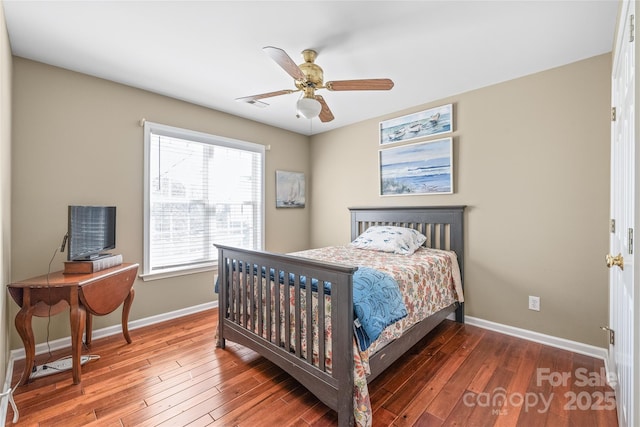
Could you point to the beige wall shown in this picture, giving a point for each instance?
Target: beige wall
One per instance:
(77, 141)
(531, 161)
(5, 188)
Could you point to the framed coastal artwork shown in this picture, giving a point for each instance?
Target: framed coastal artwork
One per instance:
(434, 121)
(417, 169)
(290, 189)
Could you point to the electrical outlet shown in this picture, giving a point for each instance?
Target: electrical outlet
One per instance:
(534, 303)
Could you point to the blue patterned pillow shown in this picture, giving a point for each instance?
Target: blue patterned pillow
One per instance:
(387, 238)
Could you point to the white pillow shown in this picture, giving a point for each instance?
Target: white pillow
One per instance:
(387, 238)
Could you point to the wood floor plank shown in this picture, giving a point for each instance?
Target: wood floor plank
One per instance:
(382, 418)
(170, 408)
(249, 407)
(173, 374)
(497, 359)
(409, 411)
(518, 386)
(430, 346)
(314, 413)
(204, 420)
(281, 413)
(485, 410)
(562, 364)
(409, 403)
(456, 385)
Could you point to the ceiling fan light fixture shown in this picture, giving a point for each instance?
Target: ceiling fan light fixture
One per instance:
(308, 107)
(309, 77)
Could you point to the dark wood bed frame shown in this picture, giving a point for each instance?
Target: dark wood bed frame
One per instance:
(239, 316)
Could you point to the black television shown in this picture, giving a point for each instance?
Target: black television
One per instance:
(91, 231)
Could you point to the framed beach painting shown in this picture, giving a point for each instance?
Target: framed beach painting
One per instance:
(417, 169)
(290, 189)
(434, 121)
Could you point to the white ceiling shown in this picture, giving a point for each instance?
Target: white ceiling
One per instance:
(210, 52)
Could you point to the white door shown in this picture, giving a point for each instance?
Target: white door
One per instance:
(623, 298)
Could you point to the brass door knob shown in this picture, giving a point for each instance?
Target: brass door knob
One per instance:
(615, 260)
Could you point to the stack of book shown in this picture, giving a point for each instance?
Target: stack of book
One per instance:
(92, 266)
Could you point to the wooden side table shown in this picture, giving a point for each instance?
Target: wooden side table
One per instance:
(85, 294)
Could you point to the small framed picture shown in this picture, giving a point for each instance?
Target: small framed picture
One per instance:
(290, 189)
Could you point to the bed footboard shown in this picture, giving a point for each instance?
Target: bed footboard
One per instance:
(265, 301)
(250, 282)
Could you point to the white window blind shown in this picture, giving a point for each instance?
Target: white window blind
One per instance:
(200, 190)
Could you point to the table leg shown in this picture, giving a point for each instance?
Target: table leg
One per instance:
(88, 330)
(23, 326)
(125, 315)
(78, 319)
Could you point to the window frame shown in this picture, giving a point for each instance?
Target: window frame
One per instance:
(205, 138)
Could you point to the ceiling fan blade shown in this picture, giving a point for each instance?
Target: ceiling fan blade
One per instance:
(363, 84)
(283, 60)
(265, 95)
(325, 114)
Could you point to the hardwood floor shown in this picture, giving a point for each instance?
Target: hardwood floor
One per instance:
(172, 374)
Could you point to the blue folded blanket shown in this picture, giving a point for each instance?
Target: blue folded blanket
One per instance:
(377, 301)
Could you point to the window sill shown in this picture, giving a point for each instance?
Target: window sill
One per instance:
(176, 273)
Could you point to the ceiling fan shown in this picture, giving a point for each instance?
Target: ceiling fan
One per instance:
(308, 77)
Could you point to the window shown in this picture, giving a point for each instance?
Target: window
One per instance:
(199, 190)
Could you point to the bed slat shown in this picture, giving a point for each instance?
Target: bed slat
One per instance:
(309, 314)
(298, 316)
(321, 332)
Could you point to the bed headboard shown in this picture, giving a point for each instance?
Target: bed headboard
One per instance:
(442, 225)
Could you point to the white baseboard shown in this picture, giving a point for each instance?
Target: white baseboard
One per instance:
(574, 346)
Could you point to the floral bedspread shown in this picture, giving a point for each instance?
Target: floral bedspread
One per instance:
(429, 281)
